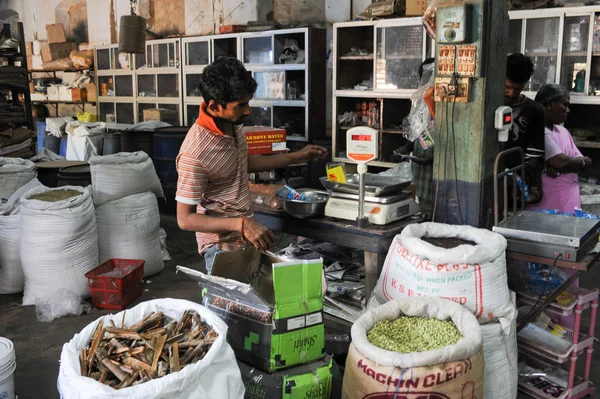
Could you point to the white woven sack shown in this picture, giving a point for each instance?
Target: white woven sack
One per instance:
(129, 228)
(123, 174)
(474, 276)
(14, 174)
(215, 376)
(59, 243)
(85, 141)
(11, 272)
(501, 357)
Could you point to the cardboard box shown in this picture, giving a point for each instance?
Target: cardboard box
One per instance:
(265, 140)
(35, 62)
(38, 45)
(31, 87)
(163, 115)
(232, 29)
(54, 51)
(314, 380)
(79, 94)
(274, 309)
(92, 95)
(64, 93)
(29, 49)
(53, 93)
(56, 33)
(415, 8)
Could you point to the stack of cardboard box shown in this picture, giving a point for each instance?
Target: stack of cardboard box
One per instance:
(57, 46)
(274, 311)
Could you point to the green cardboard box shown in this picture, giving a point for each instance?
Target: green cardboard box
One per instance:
(274, 309)
(317, 380)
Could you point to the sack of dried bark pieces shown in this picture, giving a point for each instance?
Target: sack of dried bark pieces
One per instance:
(216, 375)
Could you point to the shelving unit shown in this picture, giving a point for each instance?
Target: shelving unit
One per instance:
(376, 66)
(158, 77)
(53, 73)
(115, 80)
(275, 104)
(20, 96)
(582, 344)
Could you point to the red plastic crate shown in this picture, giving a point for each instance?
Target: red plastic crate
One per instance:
(116, 292)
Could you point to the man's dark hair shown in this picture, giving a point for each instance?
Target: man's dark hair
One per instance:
(426, 62)
(519, 68)
(226, 80)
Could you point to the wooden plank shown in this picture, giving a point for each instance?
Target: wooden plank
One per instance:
(160, 343)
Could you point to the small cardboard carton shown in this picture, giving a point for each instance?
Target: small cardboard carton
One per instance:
(415, 8)
(79, 94)
(163, 115)
(56, 33)
(54, 51)
(28, 49)
(65, 94)
(92, 95)
(263, 140)
(274, 309)
(35, 62)
(38, 45)
(314, 380)
(53, 93)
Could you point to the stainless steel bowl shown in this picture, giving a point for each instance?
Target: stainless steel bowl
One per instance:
(315, 206)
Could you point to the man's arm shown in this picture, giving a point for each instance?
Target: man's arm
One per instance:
(308, 153)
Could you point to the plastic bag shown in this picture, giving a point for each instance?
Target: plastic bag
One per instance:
(419, 119)
(57, 126)
(543, 279)
(61, 63)
(402, 171)
(429, 18)
(292, 53)
(82, 59)
(62, 303)
(148, 126)
(46, 155)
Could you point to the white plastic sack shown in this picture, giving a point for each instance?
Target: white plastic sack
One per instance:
(11, 272)
(85, 140)
(59, 243)
(501, 357)
(474, 276)
(129, 228)
(451, 371)
(216, 376)
(121, 175)
(14, 174)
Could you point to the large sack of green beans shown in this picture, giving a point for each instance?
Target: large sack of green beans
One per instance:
(452, 371)
(460, 263)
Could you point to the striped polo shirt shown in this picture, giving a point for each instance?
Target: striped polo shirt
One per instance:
(213, 174)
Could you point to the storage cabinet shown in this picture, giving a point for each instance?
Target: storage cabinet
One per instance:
(376, 71)
(290, 93)
(564, 45)
(115, 84)
(158, 77)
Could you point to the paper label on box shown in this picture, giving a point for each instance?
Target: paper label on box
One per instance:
(296, 323)
(315, 318)
(281, 146)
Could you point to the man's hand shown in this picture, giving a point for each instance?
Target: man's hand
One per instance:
(310, 153)
(261, 237)
(588, 161)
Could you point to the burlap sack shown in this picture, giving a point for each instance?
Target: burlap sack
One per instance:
(453, 372)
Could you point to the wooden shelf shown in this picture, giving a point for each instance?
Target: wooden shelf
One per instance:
(587, 144)
(357, 57)
(575, 54)
(62, 102)
(60, 70)
(386, 131)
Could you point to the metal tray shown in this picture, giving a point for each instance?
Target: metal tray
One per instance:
(375, 185)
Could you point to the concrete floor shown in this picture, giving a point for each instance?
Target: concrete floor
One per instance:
(38, 345)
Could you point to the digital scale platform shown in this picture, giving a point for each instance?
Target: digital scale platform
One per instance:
(379, 210)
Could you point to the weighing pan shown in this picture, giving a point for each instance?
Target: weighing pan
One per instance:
(375, 185)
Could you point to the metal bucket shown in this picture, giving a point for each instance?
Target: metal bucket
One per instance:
(78, 175)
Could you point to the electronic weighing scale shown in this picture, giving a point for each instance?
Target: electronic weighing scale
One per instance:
(362, 146)
(379, 210)
(548, 236)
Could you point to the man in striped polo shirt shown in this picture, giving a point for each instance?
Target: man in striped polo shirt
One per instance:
(213, 195)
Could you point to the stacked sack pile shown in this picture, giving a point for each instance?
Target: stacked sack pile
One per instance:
(474, 276)
(125, 187)
(49, 245)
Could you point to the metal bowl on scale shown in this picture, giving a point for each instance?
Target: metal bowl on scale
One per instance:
(314, 206)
